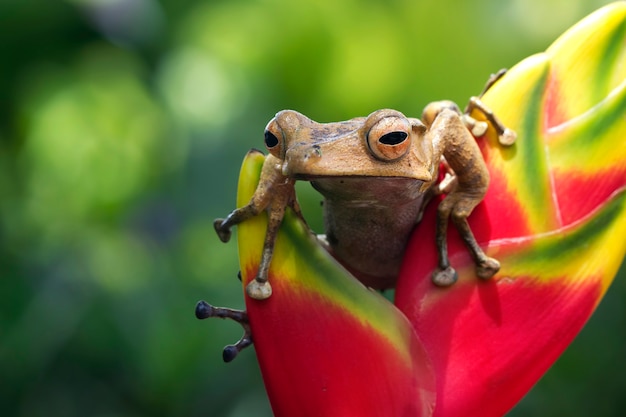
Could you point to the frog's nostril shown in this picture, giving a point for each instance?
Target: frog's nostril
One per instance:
(316, 151)
(313, 151)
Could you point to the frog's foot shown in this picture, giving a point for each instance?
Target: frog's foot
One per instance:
(259, 290)
(487, 268)
(506, 136)
(222, 232)
(444, 277)
(205, 310)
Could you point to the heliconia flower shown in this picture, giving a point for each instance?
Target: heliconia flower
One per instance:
(554, 216)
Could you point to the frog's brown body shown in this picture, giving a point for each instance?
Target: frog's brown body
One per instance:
(368, 228)
(376, 173)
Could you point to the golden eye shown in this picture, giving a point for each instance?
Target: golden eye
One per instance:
(389, 138)
(274, 139)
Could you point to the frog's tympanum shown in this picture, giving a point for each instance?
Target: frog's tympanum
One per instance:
(376, 174)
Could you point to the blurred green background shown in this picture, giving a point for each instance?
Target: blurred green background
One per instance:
(122, 127)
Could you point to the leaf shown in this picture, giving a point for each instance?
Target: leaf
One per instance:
(554, 215)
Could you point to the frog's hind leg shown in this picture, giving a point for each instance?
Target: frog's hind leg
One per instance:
(457, 207)
(205, 310)
(472, 179)
(486, 267)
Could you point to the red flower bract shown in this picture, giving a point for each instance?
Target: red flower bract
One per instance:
(327, 346)
(554, 215)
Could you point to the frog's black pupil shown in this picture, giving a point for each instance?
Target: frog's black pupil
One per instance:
(393, 138)
(270, 139)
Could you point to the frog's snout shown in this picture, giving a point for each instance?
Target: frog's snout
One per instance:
(304, 153)
(299, 158)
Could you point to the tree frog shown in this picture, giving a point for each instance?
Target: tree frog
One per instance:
(376, 174)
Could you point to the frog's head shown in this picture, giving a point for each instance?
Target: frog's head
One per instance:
(383, 144)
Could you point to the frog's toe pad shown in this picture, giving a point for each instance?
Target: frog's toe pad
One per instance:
(508, 137)
(479, 129)
(230, 352)
(444, 277)
(487, 268)
(222, 232)
(259, 290)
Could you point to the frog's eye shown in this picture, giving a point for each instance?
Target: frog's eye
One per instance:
(271, 140)
(274, 139)
(388, 139)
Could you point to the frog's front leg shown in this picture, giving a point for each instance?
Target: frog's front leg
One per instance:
(274, 193)
(451, 137)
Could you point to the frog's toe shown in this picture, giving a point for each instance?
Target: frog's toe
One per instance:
(205, 310)
(487, 268)
(230, 352)
(259, 290)
(222, 232)
(444, 277)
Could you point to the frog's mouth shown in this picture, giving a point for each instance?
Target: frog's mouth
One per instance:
(348, 178)
(390, 190)
(360, 172)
